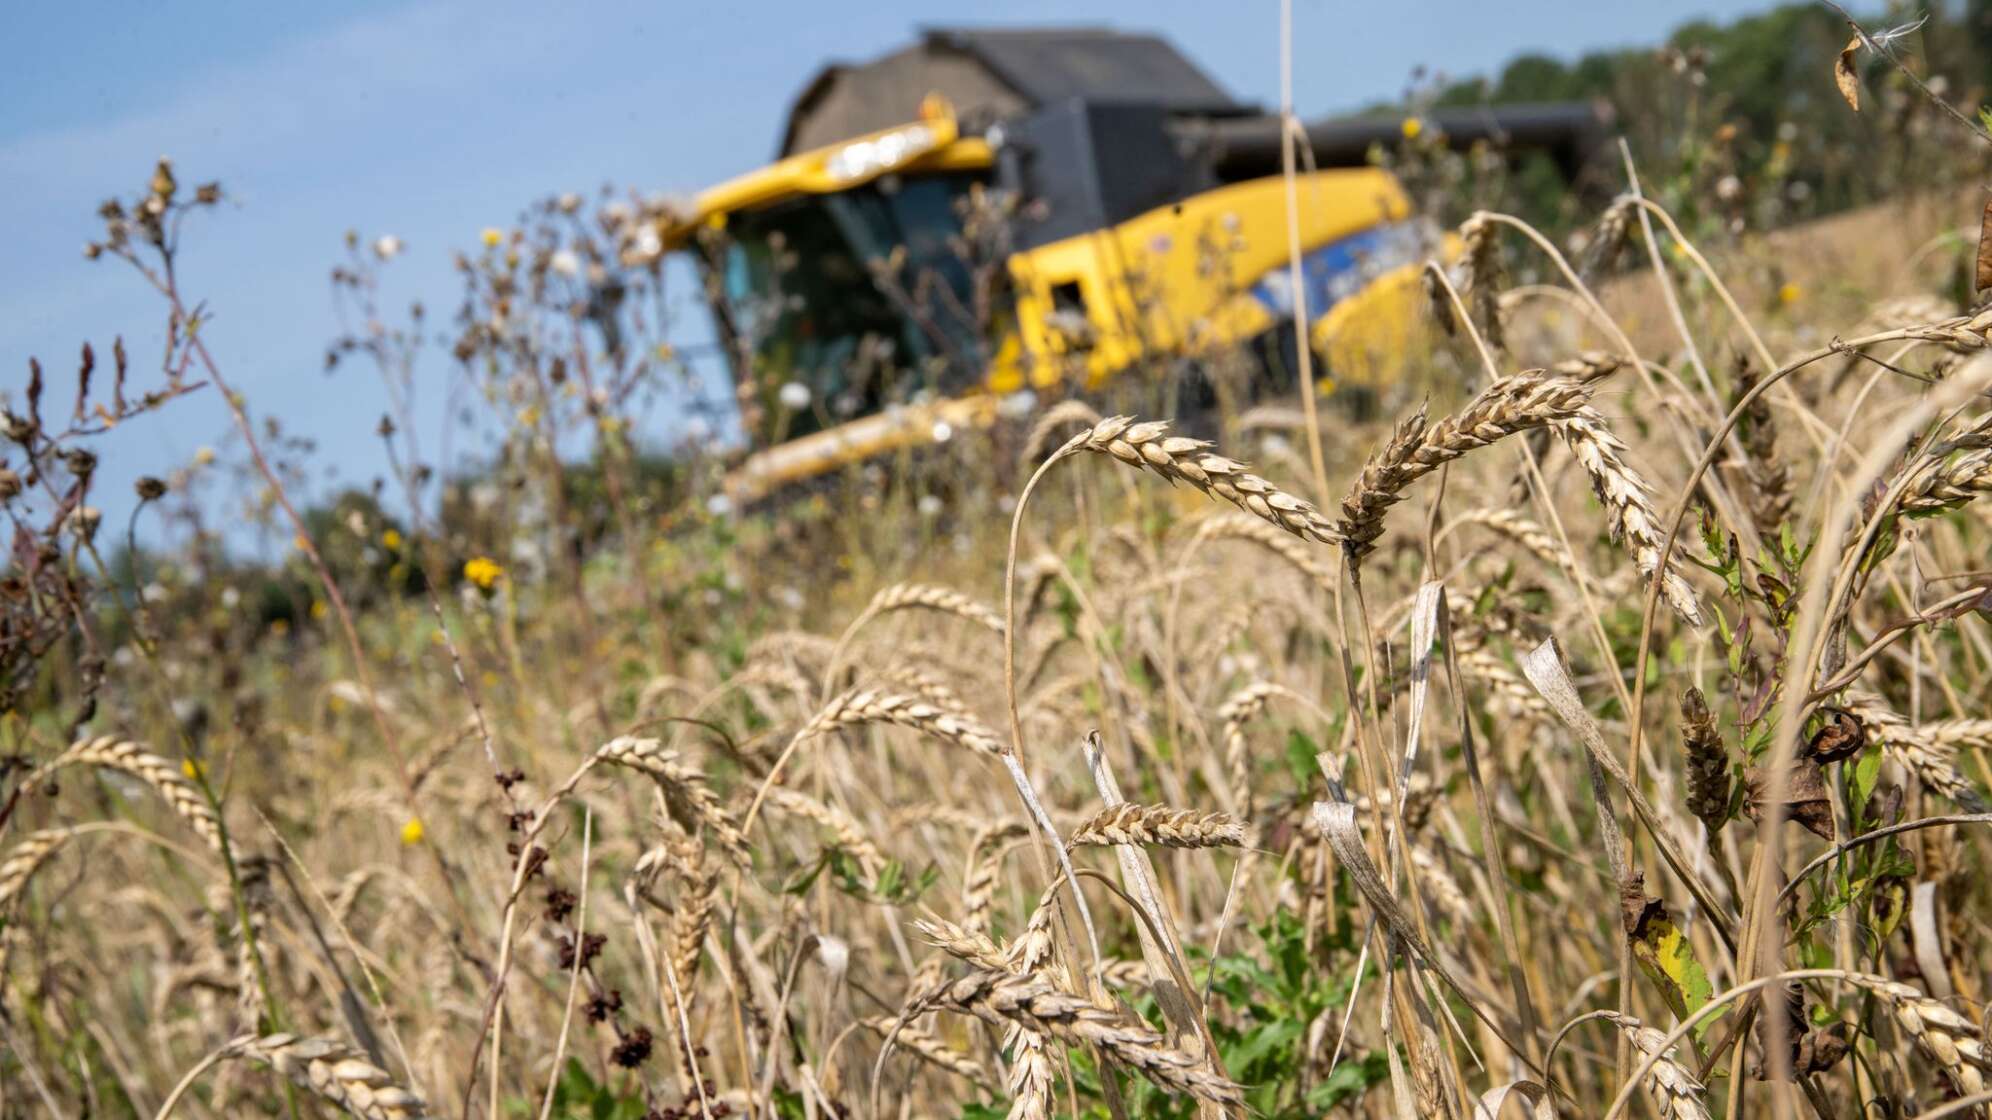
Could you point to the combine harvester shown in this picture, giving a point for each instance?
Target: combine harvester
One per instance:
(986, 212)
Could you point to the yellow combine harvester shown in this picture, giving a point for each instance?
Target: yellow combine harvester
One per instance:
(993, 211)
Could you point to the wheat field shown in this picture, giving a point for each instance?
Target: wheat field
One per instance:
(1600, 731)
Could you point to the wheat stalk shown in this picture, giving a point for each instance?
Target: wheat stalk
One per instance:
(1181, 459)
(128, 757)
(1006, 998)
(1520, 403)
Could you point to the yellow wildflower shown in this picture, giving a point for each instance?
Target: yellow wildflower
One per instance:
(1412, 127)
(491, 236)
(1790, 293)
(192, 768)
(483, 571)
(391, 539)
(411, 833)
(318, 609)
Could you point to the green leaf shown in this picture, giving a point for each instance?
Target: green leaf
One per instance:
(1867, 772)
(1300, 752)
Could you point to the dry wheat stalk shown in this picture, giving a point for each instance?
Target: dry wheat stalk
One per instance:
(985, 871)
(1931, 759)
(685, 789)
(332, 1071)
(1158, 824)
(125, 756)
(1005, 998)
(909, 596)
(1525, 401)
(866, 705)
(1181, 459)
(1675, 1092)
(926, 1045)
(1628, 506)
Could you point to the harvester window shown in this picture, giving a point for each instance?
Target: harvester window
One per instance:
(848, 293)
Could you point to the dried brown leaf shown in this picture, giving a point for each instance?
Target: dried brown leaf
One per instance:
(1846, 76)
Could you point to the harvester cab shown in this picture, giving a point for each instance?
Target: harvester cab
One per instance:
(989, 212)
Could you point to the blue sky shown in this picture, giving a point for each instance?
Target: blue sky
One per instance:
(430, 120)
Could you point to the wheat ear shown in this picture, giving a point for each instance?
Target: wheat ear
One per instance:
(1160, 825)
(1628, 506)
(1525, 401)
(1931, 758)
(867, 705)
(1181, 459)
(1944, 1035)
(946, 600)
(985, 871)
(1239, 709)
(926, 1045)
(685, 789)
(849, 833)
(1676, 1093)
(126, 756)
(331, 1071)
(1030, 1001)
